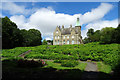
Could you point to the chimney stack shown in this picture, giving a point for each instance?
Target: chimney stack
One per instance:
(59, 27)
(62, 26)
(71, 26)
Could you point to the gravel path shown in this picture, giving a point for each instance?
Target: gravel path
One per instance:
(91, 72)
(23, 54)
(91, 67)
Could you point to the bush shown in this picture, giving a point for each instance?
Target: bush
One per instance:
(30, 63)
(57, 61)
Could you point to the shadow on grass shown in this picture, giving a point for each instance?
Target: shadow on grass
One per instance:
(11, 71)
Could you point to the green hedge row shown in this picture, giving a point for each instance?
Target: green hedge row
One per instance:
(109, 53)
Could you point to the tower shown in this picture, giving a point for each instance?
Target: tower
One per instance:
(77, 23)
(78, 28)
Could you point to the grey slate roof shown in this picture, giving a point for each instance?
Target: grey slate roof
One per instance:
(68, 30)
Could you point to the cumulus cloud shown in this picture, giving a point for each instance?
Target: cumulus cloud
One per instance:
(16, 9)
(46, 19)
(48, 38)
(96, 13)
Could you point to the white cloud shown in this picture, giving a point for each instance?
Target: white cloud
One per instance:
(48, 38)
(46, 19)
(16, 9)
(96, 13)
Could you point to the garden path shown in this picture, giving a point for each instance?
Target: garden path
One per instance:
(91, 72)
(23, 54)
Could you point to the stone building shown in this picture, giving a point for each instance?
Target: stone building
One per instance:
(71, 35)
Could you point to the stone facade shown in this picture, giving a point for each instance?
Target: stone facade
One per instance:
(71, 35)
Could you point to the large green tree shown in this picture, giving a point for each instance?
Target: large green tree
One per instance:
(11, 36)
(32, 37)
(14, 37)
(116, 35)
(106, 35)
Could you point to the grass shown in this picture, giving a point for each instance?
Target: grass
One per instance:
(80, 66)
(103, 67)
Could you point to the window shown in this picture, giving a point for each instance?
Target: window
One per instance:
(72, 41)
(72, 36)
(68, 37)
(68, 42)
(57, 31)
(55, 37)
(64, 42)
(64, 37)
(55, 42)
(58, 41)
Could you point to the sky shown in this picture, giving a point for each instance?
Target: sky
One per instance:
(45, 16)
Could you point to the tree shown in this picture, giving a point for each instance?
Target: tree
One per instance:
(96, 36)
(32, 37)
(116, 35)
(90, 34)
(106, 35)
(11, 36)
(44, 42)
(50, 41)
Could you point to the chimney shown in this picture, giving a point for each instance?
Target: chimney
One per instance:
(59, 27)
(62, 26)
(71, 26)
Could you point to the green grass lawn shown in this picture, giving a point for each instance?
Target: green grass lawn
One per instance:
(103, 67)
(58, 66)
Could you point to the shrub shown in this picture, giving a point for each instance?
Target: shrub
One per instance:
(57, 61)
(30, 63)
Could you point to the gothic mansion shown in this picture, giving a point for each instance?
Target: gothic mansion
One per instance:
(71, 35)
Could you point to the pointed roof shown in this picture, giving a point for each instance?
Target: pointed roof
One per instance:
(78, 22)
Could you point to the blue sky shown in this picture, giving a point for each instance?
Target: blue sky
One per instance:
(45, 16)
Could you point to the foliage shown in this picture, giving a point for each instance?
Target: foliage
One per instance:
(32, 37)
(14, 37)
(106, 35)
(108, 53)
(11, 34)
(69, 63)
(44, 42)
(103, 67)
(30, 63)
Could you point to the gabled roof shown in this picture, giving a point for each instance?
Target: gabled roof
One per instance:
(65, 31)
